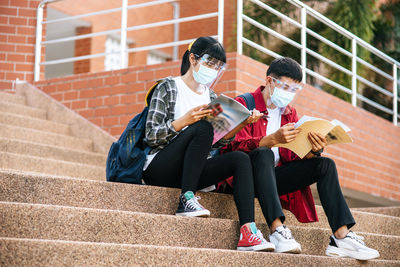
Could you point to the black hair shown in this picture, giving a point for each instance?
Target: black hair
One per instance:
(285, 67)
(203, 45)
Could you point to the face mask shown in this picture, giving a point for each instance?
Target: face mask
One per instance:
(281, 98)
(205, 75)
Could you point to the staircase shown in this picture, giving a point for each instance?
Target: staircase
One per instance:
(57, 210)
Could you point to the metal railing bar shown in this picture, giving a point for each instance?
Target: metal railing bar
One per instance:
(374, 104)
(72, 59)
(78, 37)
(343, 31)
(372, 67)
(277, 13)
(330, 43)
(260, 48)
(150, 4)
(328, 61)
(157, 46)
(329, 81)
(172, 21)
(102, 12)
(270, 31)
(374, 86)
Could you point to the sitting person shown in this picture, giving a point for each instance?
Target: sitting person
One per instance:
(181, 141)
(279, 172)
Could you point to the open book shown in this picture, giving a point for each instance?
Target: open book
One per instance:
(334, 131)
(227, 114)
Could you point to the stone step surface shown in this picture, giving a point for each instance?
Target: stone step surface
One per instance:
(41, 189)
(52, 152)
(18, 162)
(22, 110)
(33, 123)
(36, 136)
(391, 211)
(35, 221)
(13, 98)
(33, 252)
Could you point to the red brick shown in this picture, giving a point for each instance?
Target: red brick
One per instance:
(7, 48)
(14, 76)
(96, 121)
(118, 110)
(112, 80)
(49, 89)
(18, 21)
(79, 104)
(20, 3)
(26, 30)
(25, 49)
(134, 108)
(24, 67)
(103, 91)
(125, 99)
(71, 95)
(88, 113)
(97, 102)
(110, 121)
(26, 12)
(116, 131)
(95, 82)
(6, 66)
(8, 11)
(119, 89)
(3, 19)
(112, 100)
(79, 84)
(16, 39)
(63, 87)
(128, 78)
(34, 4)
(16, 57)
(101, 112)
(86, 93)
(58, 97)
(124, 119)
(162, 73)
(32, 22)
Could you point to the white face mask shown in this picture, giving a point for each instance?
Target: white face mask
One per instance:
(281, 98)
(205, 75)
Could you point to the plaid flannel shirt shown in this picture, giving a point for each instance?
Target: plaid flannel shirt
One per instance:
(159, 129)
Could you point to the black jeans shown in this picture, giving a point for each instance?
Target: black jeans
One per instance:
(271, 182)
(183, 164)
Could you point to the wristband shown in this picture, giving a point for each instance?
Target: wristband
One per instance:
(318, 153)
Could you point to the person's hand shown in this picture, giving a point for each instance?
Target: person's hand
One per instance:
(286, 134)
(317, 141)
(254, 117)
(193, 115)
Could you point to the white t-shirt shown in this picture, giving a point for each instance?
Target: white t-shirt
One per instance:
(274, 123)
(186, 99)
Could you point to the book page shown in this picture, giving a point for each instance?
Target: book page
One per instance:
(227, 114)
(338, 135)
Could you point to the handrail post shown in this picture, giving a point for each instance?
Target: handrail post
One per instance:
(38, 46)
(354, 72)
(124, 21)
(176, 11)
(304, 42)
(395, 97)
(221, 21)
(239, 27)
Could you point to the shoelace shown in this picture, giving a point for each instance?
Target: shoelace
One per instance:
(193, 203)
(286, 233)
(356, 237)
(260, 235)
(255, 237)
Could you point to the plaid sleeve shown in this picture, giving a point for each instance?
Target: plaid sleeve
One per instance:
(159, 129)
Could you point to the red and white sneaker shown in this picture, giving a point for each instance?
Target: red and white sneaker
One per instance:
(251, 239)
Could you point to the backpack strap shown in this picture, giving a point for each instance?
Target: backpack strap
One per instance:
(150, 93)
(249, 99)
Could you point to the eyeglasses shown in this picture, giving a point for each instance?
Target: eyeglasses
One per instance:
(287, 87)
(211, 62)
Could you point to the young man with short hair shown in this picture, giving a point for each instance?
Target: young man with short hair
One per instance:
(285, 176)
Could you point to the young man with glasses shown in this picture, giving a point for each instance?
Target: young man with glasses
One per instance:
(285, 176)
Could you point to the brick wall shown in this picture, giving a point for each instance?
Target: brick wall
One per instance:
(110, 99)
(17, 40)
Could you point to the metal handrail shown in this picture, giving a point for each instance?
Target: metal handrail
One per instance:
(356, 41)
(123, 31)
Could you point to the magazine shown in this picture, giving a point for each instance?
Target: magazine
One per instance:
(334, 131)
(226, 115)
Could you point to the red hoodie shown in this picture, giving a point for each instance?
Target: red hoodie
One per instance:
(301, 202)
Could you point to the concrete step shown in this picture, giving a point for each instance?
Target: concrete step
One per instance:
(13, 98)
(22, 110)
(41, 189)
(391, 211)
(18, 162)
(52, 152)
(36, 136)
(36, 221)
(33, 252)
(33, 123)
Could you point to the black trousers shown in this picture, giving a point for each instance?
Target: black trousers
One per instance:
(183, 164)
(270, 182)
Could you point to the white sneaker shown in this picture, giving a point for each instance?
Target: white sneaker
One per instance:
(352, 246)
(283, 240)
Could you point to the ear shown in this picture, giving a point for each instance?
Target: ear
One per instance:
(192, 59)
(268, 80)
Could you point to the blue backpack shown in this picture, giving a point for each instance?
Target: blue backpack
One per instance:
(127, 156)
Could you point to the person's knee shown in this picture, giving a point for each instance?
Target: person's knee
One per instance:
(203, 127)
(240, 159)
(326, 166)
(263, 154)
